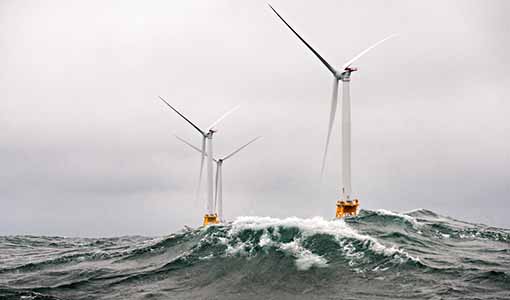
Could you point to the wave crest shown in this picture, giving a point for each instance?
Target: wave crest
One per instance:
(307, 240)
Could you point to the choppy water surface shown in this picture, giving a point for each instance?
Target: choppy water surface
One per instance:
(377, 255)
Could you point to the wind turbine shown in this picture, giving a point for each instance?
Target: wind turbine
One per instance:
(346, 206)
(219, 173)
(207, 140)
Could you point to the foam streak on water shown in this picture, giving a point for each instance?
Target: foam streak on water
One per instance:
(378, 255)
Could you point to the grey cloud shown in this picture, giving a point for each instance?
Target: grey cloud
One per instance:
(86, 148)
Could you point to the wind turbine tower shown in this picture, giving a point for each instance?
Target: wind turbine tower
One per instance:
(347, 205)
(210, 217)
(218, 199)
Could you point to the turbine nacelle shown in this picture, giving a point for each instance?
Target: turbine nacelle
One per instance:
(211, 132)
(346, 74)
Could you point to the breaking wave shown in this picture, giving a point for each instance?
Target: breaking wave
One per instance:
(418, 253)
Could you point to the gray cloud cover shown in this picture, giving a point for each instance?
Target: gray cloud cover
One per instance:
(86, 148)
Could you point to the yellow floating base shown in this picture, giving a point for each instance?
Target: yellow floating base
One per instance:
(346, 208)
(211, 219)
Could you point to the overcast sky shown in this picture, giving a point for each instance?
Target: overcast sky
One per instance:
(87, 149)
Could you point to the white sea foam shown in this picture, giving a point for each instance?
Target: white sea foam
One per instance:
(414, 210)
(306, 259)
(237, 249)
(409, 219)
(265, 240)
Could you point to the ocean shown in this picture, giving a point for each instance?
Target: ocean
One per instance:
(377, 255)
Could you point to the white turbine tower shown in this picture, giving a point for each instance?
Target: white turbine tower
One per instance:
(207, 139)
(219, 174)
(345, 76)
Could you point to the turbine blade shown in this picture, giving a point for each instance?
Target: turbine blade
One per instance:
(192, 146)
(334, 103)
(223, 117)
(191, 123)
(201, 166)
(330, 68)
(347, 64)
(241, 148)
(189, 144)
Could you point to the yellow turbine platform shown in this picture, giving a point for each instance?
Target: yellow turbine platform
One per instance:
(211, 219)
(346, 208)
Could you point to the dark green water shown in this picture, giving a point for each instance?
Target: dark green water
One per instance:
(377, 255)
